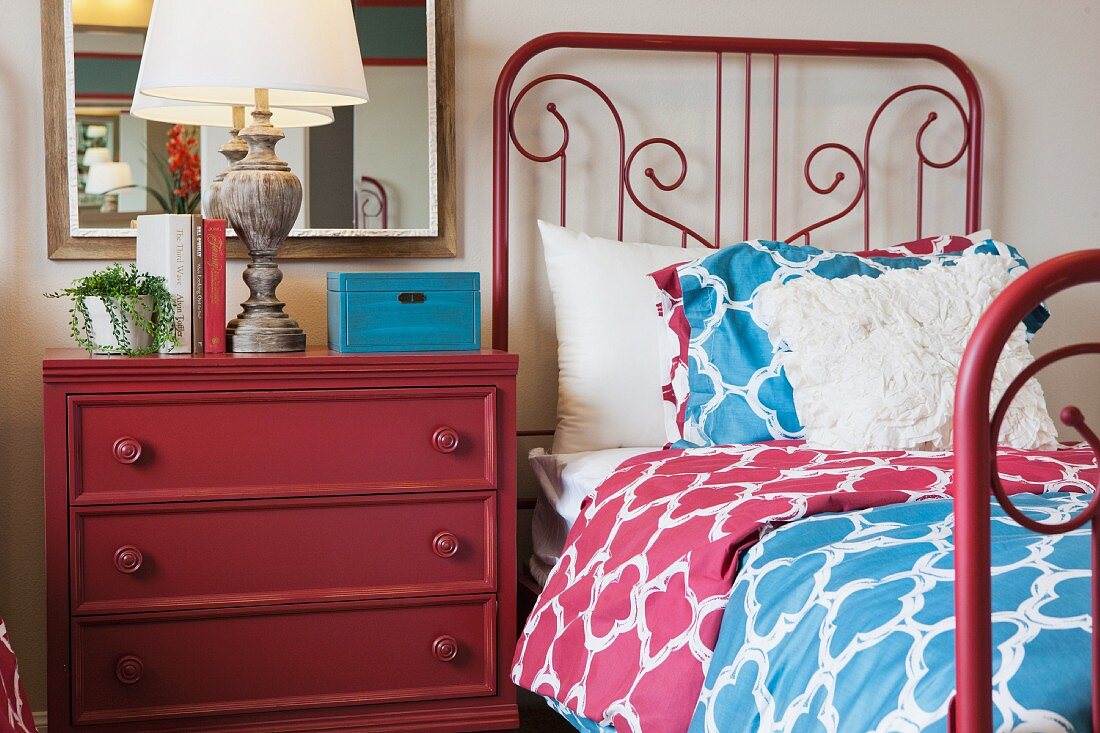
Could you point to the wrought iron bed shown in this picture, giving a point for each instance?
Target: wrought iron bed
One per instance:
(975, 465)
(371, 203)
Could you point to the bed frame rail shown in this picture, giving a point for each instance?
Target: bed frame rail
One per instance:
(976, 478)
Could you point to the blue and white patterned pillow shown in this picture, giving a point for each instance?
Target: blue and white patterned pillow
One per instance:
(737, 391)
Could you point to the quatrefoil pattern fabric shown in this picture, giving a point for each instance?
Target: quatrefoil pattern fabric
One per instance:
(15, 711)
(629, 617)
(728, 385)
(844, 623)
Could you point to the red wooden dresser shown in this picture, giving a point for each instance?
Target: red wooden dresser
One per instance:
(292, 542)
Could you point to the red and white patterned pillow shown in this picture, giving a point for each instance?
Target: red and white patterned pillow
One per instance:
(673, 346)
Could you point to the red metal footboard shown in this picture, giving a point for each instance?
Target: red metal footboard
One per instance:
(976, 479)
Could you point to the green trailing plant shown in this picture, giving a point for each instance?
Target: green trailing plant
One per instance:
(122, 289)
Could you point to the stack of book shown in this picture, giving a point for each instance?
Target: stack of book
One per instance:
(188, 251)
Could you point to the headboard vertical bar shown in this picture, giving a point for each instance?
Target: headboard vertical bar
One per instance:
(775, 147)
(501, 96)
(920, 200)
(622, 180)
(867, 181)
(974, 186)
(718, 151)
(974, 150)
(563, 170)
(748, 146)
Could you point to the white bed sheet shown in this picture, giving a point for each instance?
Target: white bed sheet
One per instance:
(564, 482)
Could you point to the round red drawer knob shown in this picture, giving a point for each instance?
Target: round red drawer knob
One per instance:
(127, 450)
(445, 648)
(129, 669)
(445, 440)
(128, 559)
(445, 544)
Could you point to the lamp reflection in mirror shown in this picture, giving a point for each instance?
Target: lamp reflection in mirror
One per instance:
(283, 52)
(96, 132)
(95, 155)
(107, 178)
(197, 114)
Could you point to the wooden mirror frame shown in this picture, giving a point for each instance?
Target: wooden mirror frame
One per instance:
(62, 245)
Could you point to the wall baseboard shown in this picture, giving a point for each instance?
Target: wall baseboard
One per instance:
(40, 722)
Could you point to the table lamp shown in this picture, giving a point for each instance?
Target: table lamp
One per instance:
(283, 53)
(218, 115)
(106, 178)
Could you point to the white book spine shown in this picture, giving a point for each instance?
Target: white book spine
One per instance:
(164, 247)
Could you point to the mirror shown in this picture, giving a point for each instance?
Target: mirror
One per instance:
(377, 180)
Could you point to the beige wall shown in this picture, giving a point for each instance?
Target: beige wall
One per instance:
(1038, 63)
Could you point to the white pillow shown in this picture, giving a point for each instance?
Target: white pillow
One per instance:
(873, 361)
(609, 365)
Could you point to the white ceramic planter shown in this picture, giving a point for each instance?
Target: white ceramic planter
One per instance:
(103, 336)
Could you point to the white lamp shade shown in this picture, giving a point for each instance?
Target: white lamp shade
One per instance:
(104, 177)
(219, 115)
(305, 52)
(93, 156)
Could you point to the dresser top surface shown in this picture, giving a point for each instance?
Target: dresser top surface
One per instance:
(60, 363)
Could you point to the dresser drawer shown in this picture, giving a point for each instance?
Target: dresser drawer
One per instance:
(280, 657)
(210, 554)
(156, 447)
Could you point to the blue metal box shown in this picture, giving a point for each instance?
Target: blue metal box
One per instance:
(413, 311)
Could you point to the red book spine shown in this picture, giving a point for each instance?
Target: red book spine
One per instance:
(198, 292)
(214, 285)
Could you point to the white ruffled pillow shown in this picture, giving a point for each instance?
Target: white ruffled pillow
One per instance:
(873, 361)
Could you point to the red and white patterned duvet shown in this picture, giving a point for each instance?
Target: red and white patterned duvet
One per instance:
(630, 615)
(15, 712)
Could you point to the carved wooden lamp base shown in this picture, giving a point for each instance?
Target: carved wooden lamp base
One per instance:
(263, 326)
(234, 149)
(261, 197)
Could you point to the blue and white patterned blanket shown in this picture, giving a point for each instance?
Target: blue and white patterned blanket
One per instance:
(845, 622)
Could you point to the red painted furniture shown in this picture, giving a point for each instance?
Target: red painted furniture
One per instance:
(298, 542)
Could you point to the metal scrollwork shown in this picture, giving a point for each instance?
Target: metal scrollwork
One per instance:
(838, 178)
(923, 159)
(1071, 417)
(651, 174)
(560, 153)
(860, 163)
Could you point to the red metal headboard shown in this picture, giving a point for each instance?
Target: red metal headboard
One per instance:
(504, 137)
(370, 195)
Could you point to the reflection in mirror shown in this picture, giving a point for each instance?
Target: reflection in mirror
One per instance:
(372, 168)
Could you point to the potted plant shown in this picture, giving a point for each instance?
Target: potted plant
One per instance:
(121, 311)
